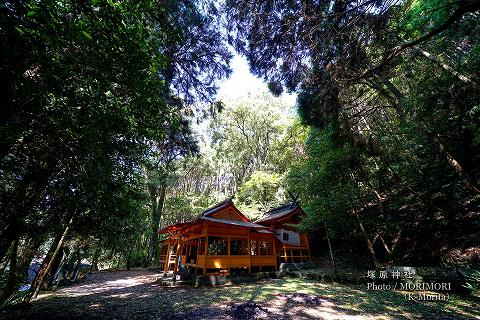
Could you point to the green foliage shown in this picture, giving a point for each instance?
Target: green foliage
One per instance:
(324, 179)
(473, 282)
(185, 207)
(261, 191)
(391, 91)
(88, 105)
(245, 133)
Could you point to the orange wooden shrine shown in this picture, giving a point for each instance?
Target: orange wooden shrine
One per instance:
(222, 239)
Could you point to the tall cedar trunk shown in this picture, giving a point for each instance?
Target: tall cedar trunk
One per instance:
(129, 259)
(6, 239)
(330, 248)
(157, 208)
(12, 280)
(47, 264)
(78, 262)
(27, 254)
(368, 242)
(94, 266)
(50, 276)
(447, 68)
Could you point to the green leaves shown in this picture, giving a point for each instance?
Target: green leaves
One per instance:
(89, 101)
(261, 191)
(87, 35)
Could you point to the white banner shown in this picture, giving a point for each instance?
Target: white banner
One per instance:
(287, 236)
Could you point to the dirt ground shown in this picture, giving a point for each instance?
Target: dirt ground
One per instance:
(135, 295)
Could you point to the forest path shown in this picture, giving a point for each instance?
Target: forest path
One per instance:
(135, 295)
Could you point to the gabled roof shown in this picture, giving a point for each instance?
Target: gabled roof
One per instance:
(223, 205)
(206, 216)
(234, 222)
(179, 226)
(278, 212)
(173, 227)
(219, 206)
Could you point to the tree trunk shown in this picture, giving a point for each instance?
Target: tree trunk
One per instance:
(56, 262)
(157, 209)
(47, 265)
(330, 247)
(94, 266)
(368, 242)
(12, 280)
(6, 239)
(455, 165)
(78, 263)
(129, 258)
(447, 68)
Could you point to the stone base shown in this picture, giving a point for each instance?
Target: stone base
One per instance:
(218, 280)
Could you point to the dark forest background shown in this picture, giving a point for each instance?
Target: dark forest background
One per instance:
(98, 147)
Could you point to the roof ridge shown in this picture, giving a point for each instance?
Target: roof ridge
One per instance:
(291, 205)
(205, 212)
(278, 212)
(234, 222)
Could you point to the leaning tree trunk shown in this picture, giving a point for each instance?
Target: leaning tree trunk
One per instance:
(454, 164)
(47, 265)
(367, 241)
(330, 247)
(462, 77)
(157, 209)
(78, 263)
(96, 255)
(7, 237)
(56, 263)
(437, 145)
(11, 286)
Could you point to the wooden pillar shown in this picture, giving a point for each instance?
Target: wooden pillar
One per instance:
(167, 257)
(196, 259)
(228, 268)
(249, 254)
(275, 253)
(206, 253)
(308, 247)
(175, 266)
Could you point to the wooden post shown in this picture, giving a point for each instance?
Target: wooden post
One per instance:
(206, 253)
(167, 258)
(175, 266)
(275, 253)
(249, 254)
(308, 247)
(228, 268)
(196, 259)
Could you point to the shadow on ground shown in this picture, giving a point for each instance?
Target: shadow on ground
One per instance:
(135, 295)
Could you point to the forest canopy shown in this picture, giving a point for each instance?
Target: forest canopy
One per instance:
(111, 127)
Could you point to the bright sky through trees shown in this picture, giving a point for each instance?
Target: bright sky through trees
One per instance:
(242, 81)
(240, 84)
